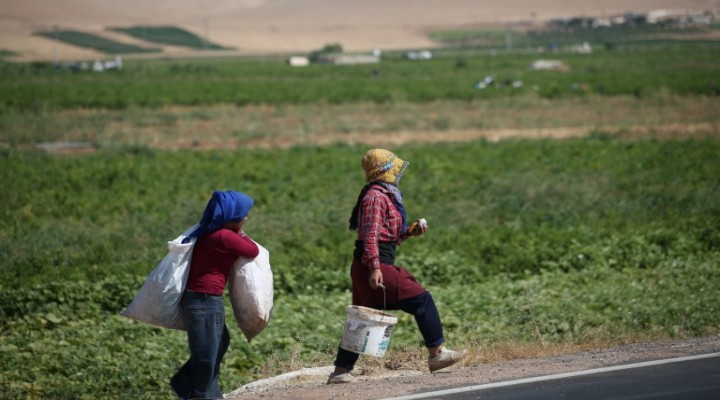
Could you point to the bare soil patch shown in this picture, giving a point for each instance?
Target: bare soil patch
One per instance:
(675, 131)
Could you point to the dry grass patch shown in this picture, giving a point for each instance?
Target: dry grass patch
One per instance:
(229, 127)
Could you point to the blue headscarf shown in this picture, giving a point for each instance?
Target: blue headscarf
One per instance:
(223, 207)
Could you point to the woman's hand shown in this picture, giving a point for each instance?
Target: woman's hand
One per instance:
(419, 227)
(376, 279)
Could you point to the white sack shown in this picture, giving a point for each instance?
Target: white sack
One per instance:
(251, 293)
(158, 301)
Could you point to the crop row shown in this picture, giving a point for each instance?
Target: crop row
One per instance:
(688, 69)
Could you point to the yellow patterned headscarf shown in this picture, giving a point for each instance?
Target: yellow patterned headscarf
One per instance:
(383, 166)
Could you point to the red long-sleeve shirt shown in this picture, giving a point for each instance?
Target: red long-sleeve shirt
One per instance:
(213, 257)
(379, 221)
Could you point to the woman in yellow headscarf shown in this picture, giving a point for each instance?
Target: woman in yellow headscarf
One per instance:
(381, 222)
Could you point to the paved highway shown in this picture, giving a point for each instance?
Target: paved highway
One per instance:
(684, 378)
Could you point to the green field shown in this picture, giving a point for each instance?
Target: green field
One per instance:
(690, 69)
(169, 35)
(95, 42)
(153, 35)
(553, 241)
(609, 238)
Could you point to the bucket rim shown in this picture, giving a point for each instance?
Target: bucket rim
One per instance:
(373, 313)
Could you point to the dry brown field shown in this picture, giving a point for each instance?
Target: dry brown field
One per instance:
(281, 26)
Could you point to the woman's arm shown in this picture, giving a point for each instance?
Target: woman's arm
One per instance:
(239, 244)
(371, 222)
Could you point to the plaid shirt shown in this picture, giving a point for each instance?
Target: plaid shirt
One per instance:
(379, 221)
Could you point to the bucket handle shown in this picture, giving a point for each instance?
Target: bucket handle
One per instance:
(384, 297)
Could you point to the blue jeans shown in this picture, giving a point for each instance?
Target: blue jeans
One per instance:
(208, 339)
(426, 315)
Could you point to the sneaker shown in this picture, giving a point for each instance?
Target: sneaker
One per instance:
(340, 378)
(445, 358)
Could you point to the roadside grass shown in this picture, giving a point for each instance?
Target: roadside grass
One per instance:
(537, 338)
(414, 358)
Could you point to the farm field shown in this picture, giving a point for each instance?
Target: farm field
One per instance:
(578, 210)
(671, 67)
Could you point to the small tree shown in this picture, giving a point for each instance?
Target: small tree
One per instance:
(317, 55)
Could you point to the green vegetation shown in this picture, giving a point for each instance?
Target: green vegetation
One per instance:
(685, 71)
(553, 241)
(532, 241)
(169, 35)
(7, 53)
(328, 49)
(82, 39)
(166, 35)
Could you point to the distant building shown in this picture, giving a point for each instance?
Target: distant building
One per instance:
(105, 65)
(419, 55)
(348, 59)
(679, 16)
(299, 61)
(676, 17)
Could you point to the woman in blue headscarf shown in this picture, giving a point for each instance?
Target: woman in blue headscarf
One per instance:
(220, 242)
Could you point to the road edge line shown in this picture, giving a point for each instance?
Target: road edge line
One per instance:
(552, 377)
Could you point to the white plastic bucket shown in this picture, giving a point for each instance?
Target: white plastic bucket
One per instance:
(367, 331)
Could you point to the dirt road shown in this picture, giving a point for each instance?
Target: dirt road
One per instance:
(310, 383)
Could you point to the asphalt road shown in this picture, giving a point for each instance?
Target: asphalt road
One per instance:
(685, 378)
